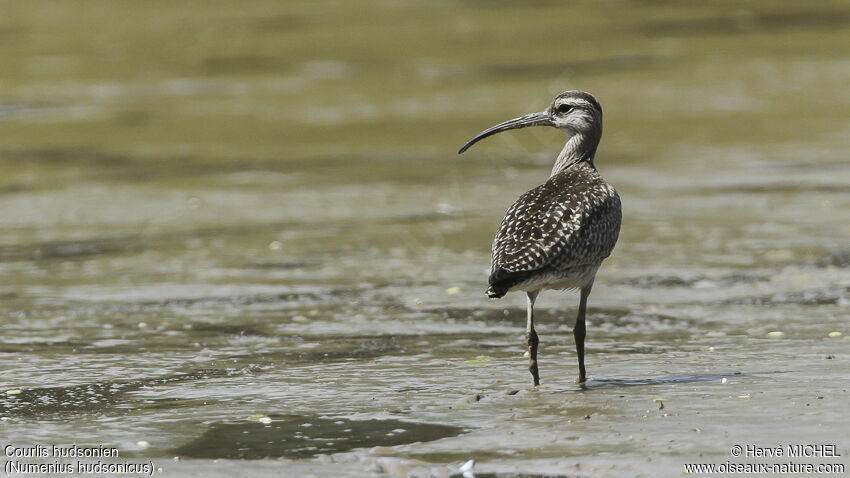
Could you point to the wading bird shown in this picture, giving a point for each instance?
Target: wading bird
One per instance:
(557, 235)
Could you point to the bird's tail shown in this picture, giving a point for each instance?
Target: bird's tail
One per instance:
(501, 281)
(494, 292)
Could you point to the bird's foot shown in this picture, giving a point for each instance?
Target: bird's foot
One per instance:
(534, 373)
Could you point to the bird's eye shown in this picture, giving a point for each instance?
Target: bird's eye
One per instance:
(564, 108)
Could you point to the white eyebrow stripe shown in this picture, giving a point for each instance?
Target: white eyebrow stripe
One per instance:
(574, 102)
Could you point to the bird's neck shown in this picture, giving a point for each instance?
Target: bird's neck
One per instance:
(579, 149)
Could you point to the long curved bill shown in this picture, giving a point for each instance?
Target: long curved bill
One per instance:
(534, 119)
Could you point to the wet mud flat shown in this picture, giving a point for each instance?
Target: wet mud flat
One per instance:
(667, 382)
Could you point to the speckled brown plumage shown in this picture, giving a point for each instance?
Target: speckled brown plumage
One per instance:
(557, 235)
(556, 232)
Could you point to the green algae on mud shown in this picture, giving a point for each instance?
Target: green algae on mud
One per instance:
(304, 436)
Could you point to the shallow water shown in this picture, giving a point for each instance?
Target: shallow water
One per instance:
(239, 240)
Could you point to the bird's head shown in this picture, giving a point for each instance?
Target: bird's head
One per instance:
(574, 112)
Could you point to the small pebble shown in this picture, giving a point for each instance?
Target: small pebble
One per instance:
(465, 402)
(381, 451)
(466, 469)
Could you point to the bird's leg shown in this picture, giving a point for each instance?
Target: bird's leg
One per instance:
(579, 332)
(531, 338)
